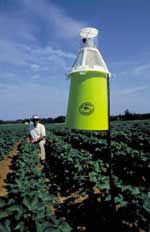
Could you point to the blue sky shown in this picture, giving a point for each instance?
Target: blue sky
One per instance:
(39, 40)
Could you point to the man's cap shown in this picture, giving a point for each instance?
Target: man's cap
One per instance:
(35, 117)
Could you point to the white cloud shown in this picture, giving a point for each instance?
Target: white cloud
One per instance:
(132, 69)
(34, 59)
(25, 100)
(17, 26)
(35, 77)
(48, 50)
(60, 53)
(132, 98)
(129, 91)
(50, 60)
(63, 24)
(142, 69)
(11, 53)
(35, 67)
(130, 88)
(8, 75)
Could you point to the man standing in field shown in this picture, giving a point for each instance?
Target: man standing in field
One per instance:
(36, 134)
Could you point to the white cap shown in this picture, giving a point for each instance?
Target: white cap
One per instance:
(89, 32)
(35, 117)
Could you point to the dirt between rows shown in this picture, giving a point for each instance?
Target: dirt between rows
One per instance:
(5, 169)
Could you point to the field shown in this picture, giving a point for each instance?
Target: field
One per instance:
(80, 188)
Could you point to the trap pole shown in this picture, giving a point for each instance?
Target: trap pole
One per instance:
(109, 150)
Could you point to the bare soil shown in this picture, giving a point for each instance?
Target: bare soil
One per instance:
(5, 169)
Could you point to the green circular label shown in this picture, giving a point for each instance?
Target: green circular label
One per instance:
(86, 108)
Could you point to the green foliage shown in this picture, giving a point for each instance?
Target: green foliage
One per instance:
(146, 204)
(83, 161)
(9, 136)
(78, 161)
(27, 206)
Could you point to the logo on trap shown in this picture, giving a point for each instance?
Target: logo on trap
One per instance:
(86, 108)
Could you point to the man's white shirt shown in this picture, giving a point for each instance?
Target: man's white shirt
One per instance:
(37, 131)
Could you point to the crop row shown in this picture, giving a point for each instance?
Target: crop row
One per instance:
(9, 136)
(78, 169)
(75, 167)
(133, 137)
(129, 164)
(27, 206)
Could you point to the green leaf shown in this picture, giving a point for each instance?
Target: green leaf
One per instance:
(108, 198)
(146, 204)
(93, 177)
(14, 208)
(97, 168)
(136, 191)
(65, 227)
(34, 202)
(2, 203)
(40, 227)
(118, 199)
(3, 228)
(20, 227)
(4, 214)
(27, 203)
